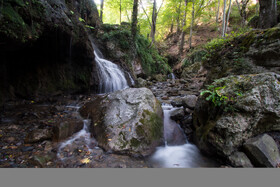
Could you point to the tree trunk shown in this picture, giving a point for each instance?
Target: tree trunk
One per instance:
(181, 47)
(224, 18)
(191, 27)
(154, 19)
(228, 15)
(268, 13)
(178, 17)
(218, 12)
(120, 12)
(134, 20)
(101, 10)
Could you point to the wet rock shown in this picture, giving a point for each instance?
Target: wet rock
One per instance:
(262, 151)
(126, 121)
(65, 129)
(38, 135)
(239, 159)
(141, 83)
(27, 148)
(177, 102)
(256, 111)
(177, 114)
(42, 161)
(188, 101)
(159, 78)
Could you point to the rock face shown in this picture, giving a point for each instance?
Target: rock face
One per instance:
(255, 101)
(252, 53)
(127, 121)
(45, 46)
(263, 151)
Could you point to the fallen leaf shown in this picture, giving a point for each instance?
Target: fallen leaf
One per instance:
(109, 139)
(85, 161)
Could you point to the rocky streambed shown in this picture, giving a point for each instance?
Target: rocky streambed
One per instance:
(49, 132)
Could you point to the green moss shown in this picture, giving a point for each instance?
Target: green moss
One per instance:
(135, 143)
(20, 20)
(272, 34)
(152, 126)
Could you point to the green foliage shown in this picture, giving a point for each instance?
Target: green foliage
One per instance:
(152, 62)
(217, 96)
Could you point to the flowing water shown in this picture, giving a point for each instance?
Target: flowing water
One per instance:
(177, 152)
(111, 77)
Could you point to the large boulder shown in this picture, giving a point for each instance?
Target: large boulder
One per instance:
(263, 151)
(243, 107)
(127, 121)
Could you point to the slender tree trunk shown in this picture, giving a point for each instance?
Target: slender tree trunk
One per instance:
(268, 13)
(178, 17)
(101, 10)
(134, 20)
(120, 12)
(218, 11)
(171, 27)
(191, 27)
(181, 47)
(224, 18)
(154, 19)
(228, 15)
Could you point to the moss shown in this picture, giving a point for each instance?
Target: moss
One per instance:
(20, 20)
(152, 125)
(135, 143)
(272, 34)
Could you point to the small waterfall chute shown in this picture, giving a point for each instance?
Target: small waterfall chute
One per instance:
(111, 77)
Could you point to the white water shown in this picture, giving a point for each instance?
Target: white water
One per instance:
(182, 155)
(111, 77)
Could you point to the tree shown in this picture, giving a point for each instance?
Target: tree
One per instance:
(228, 15)
(120, 12)
(242, 10)
(218, 11)
(134, 20)
(191, 27)
(154, 19)
(224, 18)
(181, 46)
(268, 13)
(101, 10)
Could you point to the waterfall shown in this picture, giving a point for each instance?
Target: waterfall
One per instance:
(111, 77)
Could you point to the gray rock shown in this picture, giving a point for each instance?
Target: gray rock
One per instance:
(65, 129)
(141, 83)
(263, 151)
(188, 101)
(177, 114)
(256, 111)
(38, 135)
(127, 121)
(239, 159)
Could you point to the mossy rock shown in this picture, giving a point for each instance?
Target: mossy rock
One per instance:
(128, 121)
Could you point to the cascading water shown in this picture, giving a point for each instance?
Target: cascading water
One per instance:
(177, 152)
(111, 77)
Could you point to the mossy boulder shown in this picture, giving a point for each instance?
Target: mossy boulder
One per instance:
(256, 51)
(244, 106)
(127, 121)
